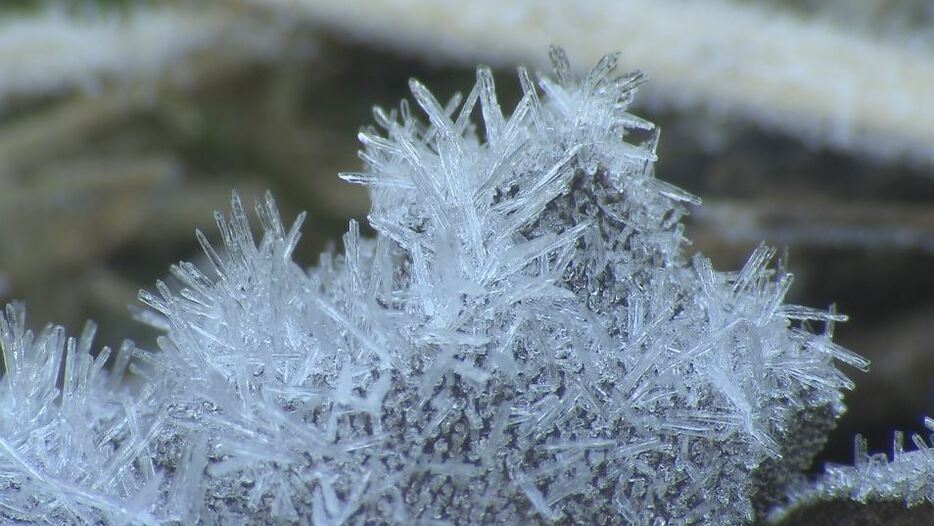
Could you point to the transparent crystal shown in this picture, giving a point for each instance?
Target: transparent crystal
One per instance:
(73, 441)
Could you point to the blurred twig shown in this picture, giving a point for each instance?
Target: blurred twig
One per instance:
(826, 222)
(51, 51)
(806, 77)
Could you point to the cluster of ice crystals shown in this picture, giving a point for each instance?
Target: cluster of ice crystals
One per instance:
(73, 446)
(908, 477)
(277, 375)
(523, 341)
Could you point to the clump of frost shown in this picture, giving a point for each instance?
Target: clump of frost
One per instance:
(73, 445)
(279, 381)
(523, 341)
(907, 478)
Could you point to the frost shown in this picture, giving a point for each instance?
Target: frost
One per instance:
(906, 479)
(524, 341)
(71, 450)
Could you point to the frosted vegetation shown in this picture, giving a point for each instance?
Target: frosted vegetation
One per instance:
(525, 340)
(908, 477)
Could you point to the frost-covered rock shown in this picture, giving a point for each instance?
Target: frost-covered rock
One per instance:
(524, 341)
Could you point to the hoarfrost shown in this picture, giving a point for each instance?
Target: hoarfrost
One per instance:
(73, 446)
(906, 479)
(525, 340)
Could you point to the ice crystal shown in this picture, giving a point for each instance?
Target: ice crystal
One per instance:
(73, 451)
(525, 340)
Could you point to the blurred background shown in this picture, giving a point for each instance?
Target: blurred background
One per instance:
(807, 124)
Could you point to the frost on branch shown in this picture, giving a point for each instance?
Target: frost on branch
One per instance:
(75, 450)
(899, 490)
(525, 339)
